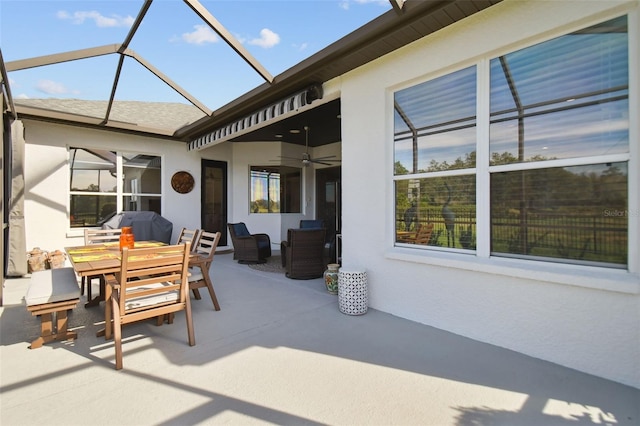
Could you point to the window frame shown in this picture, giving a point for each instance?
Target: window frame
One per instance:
(119, 193)
(624, 280)
(281, 198)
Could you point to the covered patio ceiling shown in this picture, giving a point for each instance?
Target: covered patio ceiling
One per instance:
(404, 22)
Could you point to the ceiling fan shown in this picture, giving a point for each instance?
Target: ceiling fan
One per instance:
(306, 157)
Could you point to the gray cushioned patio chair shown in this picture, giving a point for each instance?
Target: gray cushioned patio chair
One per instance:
(249, 248)
(304, 253)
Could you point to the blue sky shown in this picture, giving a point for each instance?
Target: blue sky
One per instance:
(279, 34)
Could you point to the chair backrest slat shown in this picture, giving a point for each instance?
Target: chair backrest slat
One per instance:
(99, 236)
(190, 235)
(154, 271)
(207, 244)
(153, 282)
(424, 234)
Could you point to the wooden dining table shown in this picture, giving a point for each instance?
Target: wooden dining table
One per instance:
(99, 259)
(102, 259)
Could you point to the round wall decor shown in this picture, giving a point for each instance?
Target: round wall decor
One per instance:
(182, 182)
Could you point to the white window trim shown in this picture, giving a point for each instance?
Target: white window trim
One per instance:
(601, 278)
(119, 194)
(616, 280)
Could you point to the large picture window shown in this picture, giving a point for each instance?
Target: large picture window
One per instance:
(435, 145)
(557, 152)
(276, 189)
(105, 182)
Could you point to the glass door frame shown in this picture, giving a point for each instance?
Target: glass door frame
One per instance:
(222, 165)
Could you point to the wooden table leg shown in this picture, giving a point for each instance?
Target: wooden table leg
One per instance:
(196, 293)
(100, 297)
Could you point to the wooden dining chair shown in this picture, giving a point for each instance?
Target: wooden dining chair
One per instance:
(199, 265)
(152, 283)
(191, 235)
(422, 236)
(97, 236)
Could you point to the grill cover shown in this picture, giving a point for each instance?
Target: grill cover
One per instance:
(147, 226)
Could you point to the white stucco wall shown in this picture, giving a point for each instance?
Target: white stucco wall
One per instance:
(584, 318)
(47, 179)
(247, 154)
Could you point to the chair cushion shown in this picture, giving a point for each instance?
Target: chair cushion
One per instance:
(195, 274)
(241, 230)
(311, 224)
(153, 299)
(52, 285)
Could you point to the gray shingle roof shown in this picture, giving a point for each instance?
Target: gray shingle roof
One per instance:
(161, 115)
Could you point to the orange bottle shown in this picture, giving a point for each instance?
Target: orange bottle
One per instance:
(127, 238)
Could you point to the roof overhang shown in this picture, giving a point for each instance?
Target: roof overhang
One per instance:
(392, 30)
(51, 116)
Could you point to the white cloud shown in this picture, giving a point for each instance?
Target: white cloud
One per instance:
(300, 47)
(201, 35)
(345, 4)
(51, 87)
(99, 19)
(267, 39)
(22, 96)
(380, 2)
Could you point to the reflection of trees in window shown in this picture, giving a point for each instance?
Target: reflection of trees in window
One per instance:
(435, 123)
(435, 131)
(275, 189)
(564, 98)
(561, 99)
(94, 175)
(449, 203)
(558, 150)
(565, 213)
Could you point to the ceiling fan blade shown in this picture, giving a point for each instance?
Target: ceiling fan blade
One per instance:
(321, 162)
(326, 157)
(290, 158)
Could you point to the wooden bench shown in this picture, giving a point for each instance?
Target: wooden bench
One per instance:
(51, 293)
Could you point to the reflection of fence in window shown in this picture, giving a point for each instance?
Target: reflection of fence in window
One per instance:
(580, 238)
(585, 238)
(78, 222)
(464, 227)
(84, 219)
(89, 210)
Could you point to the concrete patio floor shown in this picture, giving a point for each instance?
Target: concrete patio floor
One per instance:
(280, 352)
